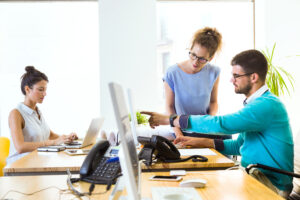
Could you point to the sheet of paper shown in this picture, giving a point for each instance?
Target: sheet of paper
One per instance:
(202, 152)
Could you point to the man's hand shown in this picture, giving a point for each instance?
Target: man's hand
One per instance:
(178, 132)
(195, 142)
(157, 119)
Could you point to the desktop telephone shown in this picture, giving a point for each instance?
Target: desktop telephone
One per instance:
(95, 168)
(161, 148)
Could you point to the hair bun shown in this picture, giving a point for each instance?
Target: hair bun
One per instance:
(209, 32)
(29, 69)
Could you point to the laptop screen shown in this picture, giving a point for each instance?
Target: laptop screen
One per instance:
(130, 166)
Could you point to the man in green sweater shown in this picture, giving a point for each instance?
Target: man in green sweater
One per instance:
(265, 134)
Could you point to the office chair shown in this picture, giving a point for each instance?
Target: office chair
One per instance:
(295, 194)
(4, 151)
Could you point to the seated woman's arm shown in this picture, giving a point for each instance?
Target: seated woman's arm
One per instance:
(16, 124)
(63, 138)
(53, 135)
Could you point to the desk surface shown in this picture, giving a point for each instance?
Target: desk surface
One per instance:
(233, 184)
(39, 163)
(44, 162)
(215, 161)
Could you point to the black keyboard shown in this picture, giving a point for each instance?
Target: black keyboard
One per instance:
(105, 172)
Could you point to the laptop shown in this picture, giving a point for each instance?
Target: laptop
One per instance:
(130, 164)
(90, 137)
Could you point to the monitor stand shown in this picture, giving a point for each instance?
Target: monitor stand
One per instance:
(118, 189)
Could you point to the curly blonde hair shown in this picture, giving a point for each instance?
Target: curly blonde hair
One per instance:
(210, 38)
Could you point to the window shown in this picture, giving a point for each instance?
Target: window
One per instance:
(61, 40)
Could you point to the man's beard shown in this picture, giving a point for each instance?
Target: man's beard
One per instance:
(245, 90)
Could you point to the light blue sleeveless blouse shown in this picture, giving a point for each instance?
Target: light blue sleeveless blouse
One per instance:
(192, 91)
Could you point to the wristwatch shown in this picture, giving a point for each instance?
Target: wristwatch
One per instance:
(172, 117)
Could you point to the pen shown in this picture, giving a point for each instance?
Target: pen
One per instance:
(114, 159)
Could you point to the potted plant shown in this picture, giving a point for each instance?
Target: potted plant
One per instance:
(277, 77)
(141, 119)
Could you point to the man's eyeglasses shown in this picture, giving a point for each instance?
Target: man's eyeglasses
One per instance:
(235, 76)
(195, 57)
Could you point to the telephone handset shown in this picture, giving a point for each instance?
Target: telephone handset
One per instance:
(164, 149)
(161, 148)
(92, 159)
(96, 169)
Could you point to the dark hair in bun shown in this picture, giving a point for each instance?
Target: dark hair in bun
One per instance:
(31, 77)
(29, 69)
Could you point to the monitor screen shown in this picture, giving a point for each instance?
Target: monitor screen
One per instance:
(127, 140)
(133, 121)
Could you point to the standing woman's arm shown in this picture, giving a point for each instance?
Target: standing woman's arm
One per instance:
(213, 105)
(170, 99)
(170, 106)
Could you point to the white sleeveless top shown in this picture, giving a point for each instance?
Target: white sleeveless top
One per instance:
(35, 130)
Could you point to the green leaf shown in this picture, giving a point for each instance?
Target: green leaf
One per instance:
(278, 79)
(141, 119)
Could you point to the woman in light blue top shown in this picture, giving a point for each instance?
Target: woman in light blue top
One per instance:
(191, 86)
(28, 127)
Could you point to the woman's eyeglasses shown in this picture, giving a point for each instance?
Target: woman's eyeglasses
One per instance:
(195, 57)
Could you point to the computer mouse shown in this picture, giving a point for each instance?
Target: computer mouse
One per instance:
(198, 183)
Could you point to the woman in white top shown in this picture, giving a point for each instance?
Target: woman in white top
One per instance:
(28, 127)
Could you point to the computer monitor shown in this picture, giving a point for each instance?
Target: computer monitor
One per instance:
(128, 155)
(133, 121)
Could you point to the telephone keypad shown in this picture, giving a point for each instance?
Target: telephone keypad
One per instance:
(105, 172)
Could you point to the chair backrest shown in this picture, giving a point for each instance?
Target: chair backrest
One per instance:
(296, 181)
(4, 152)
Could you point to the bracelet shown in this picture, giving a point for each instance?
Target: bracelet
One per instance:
(171, 119)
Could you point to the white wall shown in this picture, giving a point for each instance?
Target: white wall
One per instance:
(61, 40)
(127, 52)
(278, 21)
